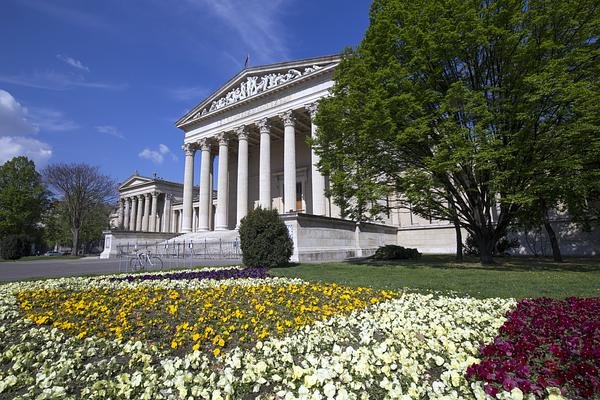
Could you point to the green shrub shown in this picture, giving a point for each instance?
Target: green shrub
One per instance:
(13, 247)
(264, 239)
(393, 252)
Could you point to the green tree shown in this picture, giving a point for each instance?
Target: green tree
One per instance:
(23, 198)
(466, 108)
(83, 191)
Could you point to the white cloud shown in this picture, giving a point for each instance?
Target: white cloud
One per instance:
(72, 62)
(12, 146)
(257, 23)
(157, 156)
(46, 119)
(110, 130)
(57, 81)
(16, 120)
(13, 117)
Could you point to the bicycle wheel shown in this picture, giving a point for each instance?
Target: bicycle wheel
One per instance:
(155, 262)
(135, 264)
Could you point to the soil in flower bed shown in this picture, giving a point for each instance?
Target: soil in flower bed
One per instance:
(217, 274)
(545, 343)
(211, 319)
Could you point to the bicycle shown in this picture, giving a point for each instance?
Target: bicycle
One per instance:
(142, 260)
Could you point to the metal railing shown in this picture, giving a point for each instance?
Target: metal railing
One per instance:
(181, 254)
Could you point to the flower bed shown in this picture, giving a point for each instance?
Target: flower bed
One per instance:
(217, 274)
(545, 343)
(212, 318)
(323, 341)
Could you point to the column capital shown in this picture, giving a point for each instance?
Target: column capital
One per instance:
(147, 195)
(288, 118)
(264, 125)
(312, 109)
(154, 195)
(241, 132)
(223, 138)
(189, 149)
(204, 144)
(140, 196)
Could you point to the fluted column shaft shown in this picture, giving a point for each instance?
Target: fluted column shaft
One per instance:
(138, 218)
(188, 187)
(166, 217)
(121, 213)
(133, 216)
(152, 223)
(146, 216)
(205, 189)
(242, 174)
(289, 162)
(222, 184)
(264, 181)
(319, 200)
(127, 214)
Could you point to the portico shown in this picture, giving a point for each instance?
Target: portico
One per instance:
(257, 126)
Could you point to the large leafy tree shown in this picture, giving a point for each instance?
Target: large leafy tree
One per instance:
(58, 226)
(82, 190)
(23, 198)
(466, 108)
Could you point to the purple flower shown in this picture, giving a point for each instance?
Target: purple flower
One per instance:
(217, 274)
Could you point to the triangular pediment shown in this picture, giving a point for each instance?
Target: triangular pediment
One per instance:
(253, 82)
(134, 180)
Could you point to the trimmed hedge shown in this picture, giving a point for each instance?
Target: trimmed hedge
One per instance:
(264, 239)
(13, 247)
(393, 252)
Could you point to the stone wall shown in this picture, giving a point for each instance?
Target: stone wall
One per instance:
(318, 238)
(114, 239)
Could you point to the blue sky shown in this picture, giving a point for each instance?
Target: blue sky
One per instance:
(103, 82)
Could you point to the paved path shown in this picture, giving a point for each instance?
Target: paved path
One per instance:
(21, 270)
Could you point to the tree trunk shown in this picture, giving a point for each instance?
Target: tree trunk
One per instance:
(553, 241)
(459, 242)
(486, 249)
(75, 245)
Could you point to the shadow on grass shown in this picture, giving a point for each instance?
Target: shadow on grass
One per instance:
(508, 263)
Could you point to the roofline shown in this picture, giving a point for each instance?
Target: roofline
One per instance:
(245, 71)
(152, 180)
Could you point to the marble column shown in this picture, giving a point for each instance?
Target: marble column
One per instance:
(205, 189)
(138, 219)
(195, 220)
(188, 186)
(166, 217)
(146, 216)
(319, 201)
(242, 174)
(152, 223)
(127, 213)
(289, 161)
(222, 184)
(174, 221)
(264, 181)
(121, 213)
(133, 216)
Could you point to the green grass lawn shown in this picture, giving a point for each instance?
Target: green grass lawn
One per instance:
(512, 276)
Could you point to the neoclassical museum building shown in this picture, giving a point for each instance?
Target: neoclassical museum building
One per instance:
(256, 126)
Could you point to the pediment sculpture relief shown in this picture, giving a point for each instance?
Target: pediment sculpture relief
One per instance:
(257, 84)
